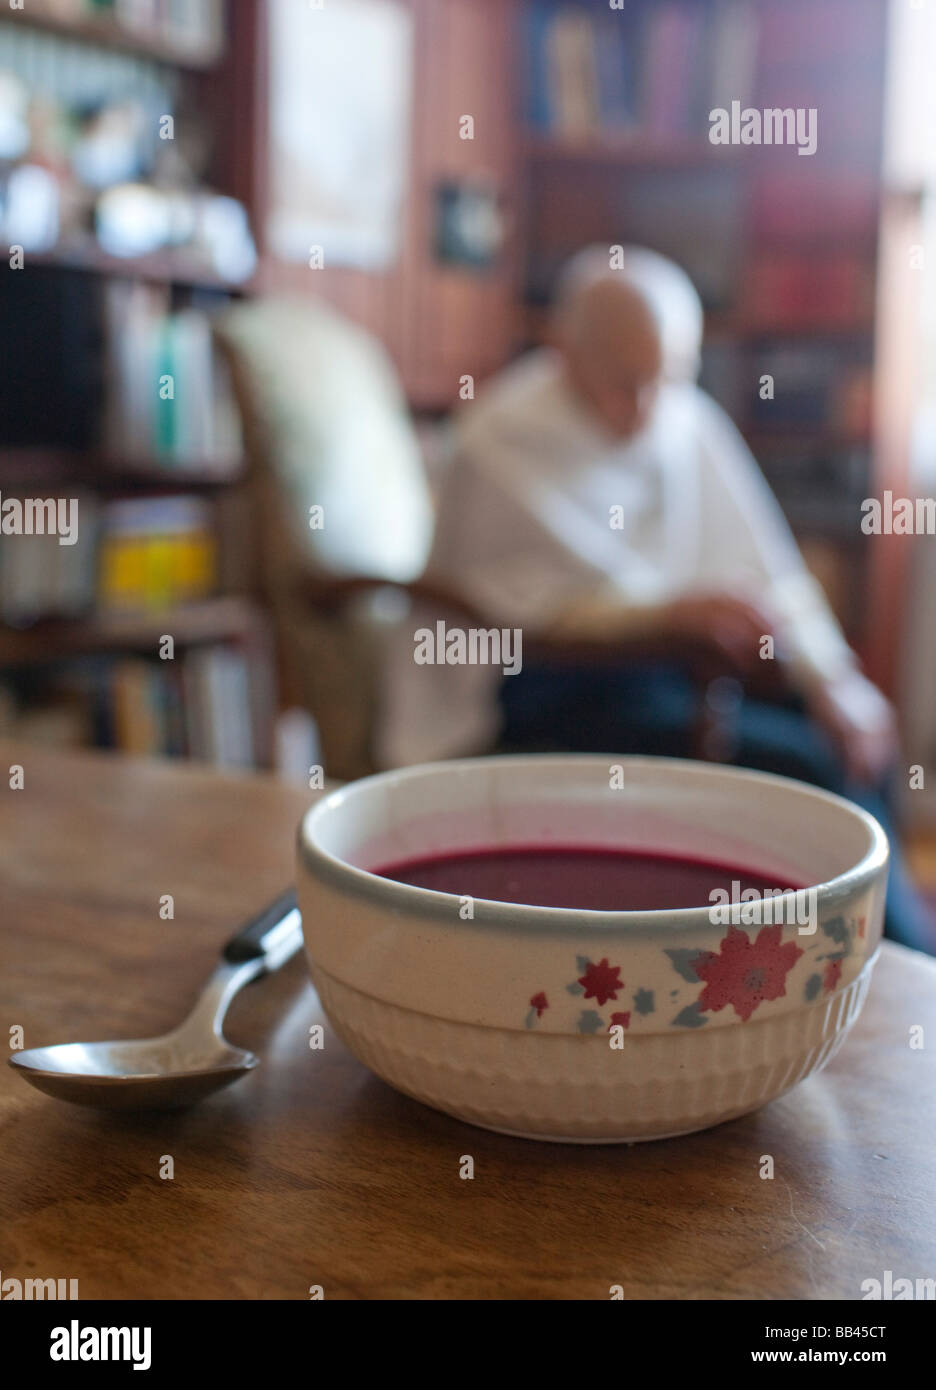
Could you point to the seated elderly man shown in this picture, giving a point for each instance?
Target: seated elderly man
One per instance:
(597, 492)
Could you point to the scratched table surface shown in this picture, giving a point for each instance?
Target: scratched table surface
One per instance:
(311, 1172)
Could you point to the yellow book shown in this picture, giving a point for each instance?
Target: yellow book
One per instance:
(136, 728)
(122, 572)
(196, 568)
(160, 564)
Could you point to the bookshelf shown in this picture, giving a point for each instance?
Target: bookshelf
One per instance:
(783, 249)
(158, 482)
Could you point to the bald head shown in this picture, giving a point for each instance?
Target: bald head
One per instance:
(623, 324)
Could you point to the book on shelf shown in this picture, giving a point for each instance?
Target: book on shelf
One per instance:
(829, 290)
(674, 34)
(136, 708)
(651, 69)
(40, 578)
(218, 705)
(615, 75)
(155, 553)
(732, 46)
(573, 72)
(140, 706)
(169, 394)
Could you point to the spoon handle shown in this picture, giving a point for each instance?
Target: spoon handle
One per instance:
(272, 937)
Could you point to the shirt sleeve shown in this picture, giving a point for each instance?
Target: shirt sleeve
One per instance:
(747, 547)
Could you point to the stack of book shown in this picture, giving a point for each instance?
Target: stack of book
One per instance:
(130, 556)
(653, 70)
(206, 704)
(168, 396)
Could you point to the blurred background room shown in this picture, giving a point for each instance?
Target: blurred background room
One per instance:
(258, 255)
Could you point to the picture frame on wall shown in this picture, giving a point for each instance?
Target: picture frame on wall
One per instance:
(340, 84)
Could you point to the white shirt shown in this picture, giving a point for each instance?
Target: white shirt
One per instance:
(542, 513)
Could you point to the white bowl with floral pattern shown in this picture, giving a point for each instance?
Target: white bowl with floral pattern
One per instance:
(590, 1026)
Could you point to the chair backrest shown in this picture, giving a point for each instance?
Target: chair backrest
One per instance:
(327, 428)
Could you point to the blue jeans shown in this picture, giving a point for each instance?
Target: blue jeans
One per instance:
(653, 709)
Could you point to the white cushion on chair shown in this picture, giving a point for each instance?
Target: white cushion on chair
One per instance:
(333, 427)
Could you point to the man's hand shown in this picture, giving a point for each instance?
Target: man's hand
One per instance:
(730, 626)
(861, 723)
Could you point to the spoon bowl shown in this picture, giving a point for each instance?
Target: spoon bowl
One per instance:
(131, 1075)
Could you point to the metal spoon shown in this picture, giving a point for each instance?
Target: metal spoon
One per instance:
(193, 1060)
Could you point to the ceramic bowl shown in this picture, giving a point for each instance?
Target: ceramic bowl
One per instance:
(582, 1025)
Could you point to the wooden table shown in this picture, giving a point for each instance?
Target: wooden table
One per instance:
(310, 1171)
